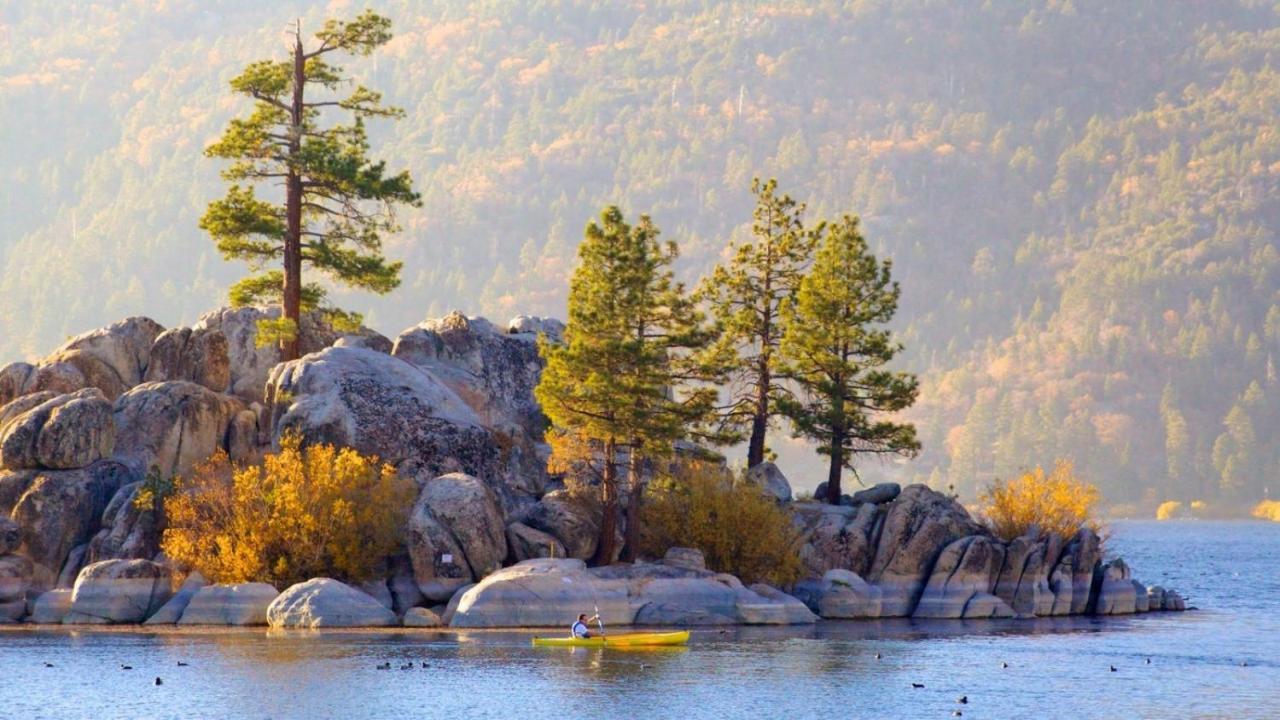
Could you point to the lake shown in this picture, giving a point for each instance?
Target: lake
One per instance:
(1222, 660)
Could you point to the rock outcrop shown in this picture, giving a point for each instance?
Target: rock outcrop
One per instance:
(962, 579)
(15, 585)
(1114, 591)
(243, 604)
(58, 510)
(469, 511)
(917, 526)
(64, 432)
(525, 543)
(322, 602)
(421, 617)
(575, 525)
(51, 607)
(171, 426)
(118, 591)
(769, 478)
(195, 355)
(171, 612)
(128, 531)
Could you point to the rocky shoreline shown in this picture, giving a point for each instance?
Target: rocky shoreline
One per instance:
(492, 540)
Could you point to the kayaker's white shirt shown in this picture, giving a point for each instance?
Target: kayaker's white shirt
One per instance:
(580, 629)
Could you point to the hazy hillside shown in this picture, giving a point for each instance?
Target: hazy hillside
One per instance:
(1081, 198)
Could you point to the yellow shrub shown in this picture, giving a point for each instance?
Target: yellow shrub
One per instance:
(1168, 510)
(1057, 503)
(1267, 510)
(300, 514)
(739, 529)
(1198, 505)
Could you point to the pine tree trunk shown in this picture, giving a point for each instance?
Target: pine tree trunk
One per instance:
(759, 421)
(291, 293)
(607, 544)
(634, 503)
(835, 470)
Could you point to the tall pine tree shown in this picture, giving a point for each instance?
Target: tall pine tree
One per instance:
(745, 297)
(835, 346)
(609, 388)
(336, 204)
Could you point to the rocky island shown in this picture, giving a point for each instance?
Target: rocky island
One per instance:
(493, 539)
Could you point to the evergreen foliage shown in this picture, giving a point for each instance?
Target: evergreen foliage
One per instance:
(835, 345)
(337, 202)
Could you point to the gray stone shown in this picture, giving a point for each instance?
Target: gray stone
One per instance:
(65, 432)
(966, 568)
(1082, 554)
(533, 325)
(128, 531)
(1115, 592)
(323, 602)
(119, 591)
(469, 510)
(1023, 582)
(50, 607)
(21, 405)
(13, 378)
(541, 593)
(172, 611)
(421, 617)
(986, 605)
(682, 557)
(687, 601)
(1142, 603)
(878, 494)
(194, 355)
(59, 510)
(451, 607)
(122, 349)
(777, 608)
(439, 564)
(919, 524)
(378, 590)
(571, 522)
(405, 592)
(171, 426)
(243, 604)
(836, 537)
(525, 542)
(844, 594)
(769, 478)
(12, 611)
(15, 578)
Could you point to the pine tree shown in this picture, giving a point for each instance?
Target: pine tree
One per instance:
(745, 297)
(835, 346)
(337, 203)
(610, 387)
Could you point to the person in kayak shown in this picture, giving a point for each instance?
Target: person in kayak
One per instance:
(580, 629)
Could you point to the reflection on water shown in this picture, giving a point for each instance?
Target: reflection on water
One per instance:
(1052, 667)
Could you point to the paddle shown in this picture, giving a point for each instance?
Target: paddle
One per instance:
(599, 622)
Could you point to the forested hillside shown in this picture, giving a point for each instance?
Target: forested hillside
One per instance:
(1081, 199)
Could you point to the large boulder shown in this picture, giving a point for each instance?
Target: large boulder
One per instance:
(59, 510)
(1114, 592)
(421, 617)
(171, 426)
(769, 478)
(493, 372)
(51, 607)
(13, 380)
(194, 355)
(384, 406)
(843, 594)
(1023, 582)
(1081, 556)
(243, 604)
(112, 359)
(777, 608)
(525, 543)
(64, 432)
(878, 494)
(19, 406)
(119, 591)
(837, 537)
(129, 531)
(249, 364)
(686, 601)
(966, 569)
(570, 520)
(440, 566)
(469, 510)
(15, 578)
(550, 328)
(919, 524)
(322, 602)
(172, 611)
(542, 593)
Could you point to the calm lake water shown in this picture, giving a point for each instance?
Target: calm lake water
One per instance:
(1220, 661)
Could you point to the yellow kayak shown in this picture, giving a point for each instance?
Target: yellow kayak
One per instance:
(620, 640)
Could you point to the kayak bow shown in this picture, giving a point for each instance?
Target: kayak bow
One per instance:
(623, 640)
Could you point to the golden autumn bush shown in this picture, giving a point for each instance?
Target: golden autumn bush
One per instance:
(1057, 502)
(1169, 510)
(739, 529)
(1267, 510)
(301, 513)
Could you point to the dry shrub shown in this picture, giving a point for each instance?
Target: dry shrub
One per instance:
(302, 513)
(739, 529)
(1267, 510)
(1058, 503)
